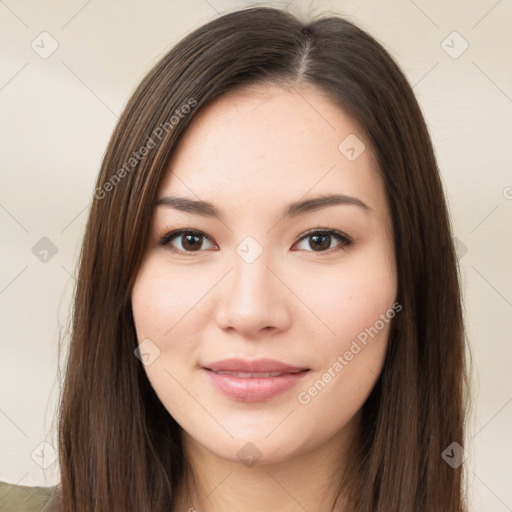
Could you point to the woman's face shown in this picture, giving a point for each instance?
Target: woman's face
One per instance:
(309, 287)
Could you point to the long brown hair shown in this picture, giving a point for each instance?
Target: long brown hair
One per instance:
(119, 448)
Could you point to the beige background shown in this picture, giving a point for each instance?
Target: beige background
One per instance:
(57, 114)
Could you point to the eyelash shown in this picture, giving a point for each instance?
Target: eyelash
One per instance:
(344, 239)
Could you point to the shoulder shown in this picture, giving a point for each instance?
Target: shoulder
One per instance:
(22, 498)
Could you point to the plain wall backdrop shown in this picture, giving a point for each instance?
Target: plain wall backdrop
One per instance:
(66, 71)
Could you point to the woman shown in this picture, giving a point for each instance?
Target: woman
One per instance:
(267, 313)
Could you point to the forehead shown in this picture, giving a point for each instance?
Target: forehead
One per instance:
(266, 143)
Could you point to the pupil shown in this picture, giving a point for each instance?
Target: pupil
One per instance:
(316, 237)
(192, 246)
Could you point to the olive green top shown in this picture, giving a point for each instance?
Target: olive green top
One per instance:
(22, 498)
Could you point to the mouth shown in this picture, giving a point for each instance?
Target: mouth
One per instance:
(253, 381)
(253, 367)
(254, 375)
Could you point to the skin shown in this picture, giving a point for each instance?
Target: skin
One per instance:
(250, 154)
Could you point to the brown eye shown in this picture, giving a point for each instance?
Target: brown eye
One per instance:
(321, 240)
(191, 242)
(188, 241)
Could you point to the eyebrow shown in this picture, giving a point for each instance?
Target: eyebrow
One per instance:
(207, 209)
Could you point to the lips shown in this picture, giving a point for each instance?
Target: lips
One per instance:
(253, 381)
(261, 366)
(253, 375)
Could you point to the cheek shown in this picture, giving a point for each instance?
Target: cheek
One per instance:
(359, 312)
(160, 303)
(350, 299)
(162, 299)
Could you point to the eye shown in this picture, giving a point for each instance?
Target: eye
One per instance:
(320, 239)
(190, 240)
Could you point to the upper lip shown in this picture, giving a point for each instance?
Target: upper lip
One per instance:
(255, 366)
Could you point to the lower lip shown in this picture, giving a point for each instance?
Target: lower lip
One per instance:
(253, 389)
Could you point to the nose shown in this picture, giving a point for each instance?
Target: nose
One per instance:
(254, 301)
